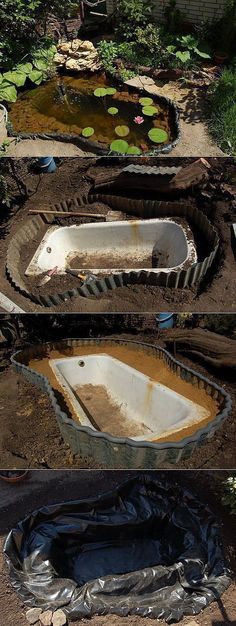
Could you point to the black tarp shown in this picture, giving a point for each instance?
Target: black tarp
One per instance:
(146, 548)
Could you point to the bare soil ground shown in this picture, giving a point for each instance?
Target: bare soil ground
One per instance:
(30, 437)
(48, 487)
(215, 293)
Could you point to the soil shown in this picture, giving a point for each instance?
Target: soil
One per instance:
(49, 487)
(107, 415)
(30, 436)
(112, 260)
(215, 293)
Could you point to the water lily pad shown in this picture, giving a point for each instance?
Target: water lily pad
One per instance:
(158, 135)
(88, 131)
(119, 145)
(110, 91)
(150, 110)
(112, 111)
(145, 101)
(122, 131)
(100, 92)
(134, 150)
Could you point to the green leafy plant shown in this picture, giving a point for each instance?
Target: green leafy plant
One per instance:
(12, 80)
(112, 111)
(145, 101)
(150, 110)
(120, 146)
(88, 131)
(122, 131)
(23, 26)
(158, 135)
(229, 498)
(222, 111)
(130, 15)
(110, 91)
(108, 52)
(100, 92)
(126, 74)
(189, 49)
(134, 150)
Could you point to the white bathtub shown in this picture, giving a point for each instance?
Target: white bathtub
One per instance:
(160, 244)
(144, 403)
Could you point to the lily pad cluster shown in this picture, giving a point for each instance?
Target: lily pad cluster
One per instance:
(101, 92)
(34, 70)
(121, 146)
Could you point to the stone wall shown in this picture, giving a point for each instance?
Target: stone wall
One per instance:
(195, 10)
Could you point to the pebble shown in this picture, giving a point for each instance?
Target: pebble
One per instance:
(46, 618)
(32, 615)
(59, 618)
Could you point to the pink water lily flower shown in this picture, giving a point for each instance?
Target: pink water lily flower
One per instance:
(138, 119)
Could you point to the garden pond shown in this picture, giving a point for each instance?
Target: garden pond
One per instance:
(100, 114)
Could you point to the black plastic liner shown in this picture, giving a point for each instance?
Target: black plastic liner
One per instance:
(146, 548)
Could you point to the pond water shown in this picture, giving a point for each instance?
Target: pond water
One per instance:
(67, 105)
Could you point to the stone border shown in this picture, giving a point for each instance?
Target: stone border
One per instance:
(143, 209)
(116, 452)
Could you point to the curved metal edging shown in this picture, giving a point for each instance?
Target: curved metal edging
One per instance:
(142, 208)
(117, 452)
(97, 148)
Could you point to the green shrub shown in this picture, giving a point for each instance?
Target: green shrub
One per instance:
(35, 70)
(19, 22)
(108, 52)
(222, 111)
(130, 15)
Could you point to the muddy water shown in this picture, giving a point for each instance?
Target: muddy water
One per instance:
(45, 110)
(146, 363)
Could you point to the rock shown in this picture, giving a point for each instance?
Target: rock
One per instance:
(87, 45)
(78, 56)
(46, 618)
(59, 618)
(140, 82)
(75, 44)
(32, 615)
(73, 64)
(64, 48)
(59, 59)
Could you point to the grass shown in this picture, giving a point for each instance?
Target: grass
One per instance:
(222, 111)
